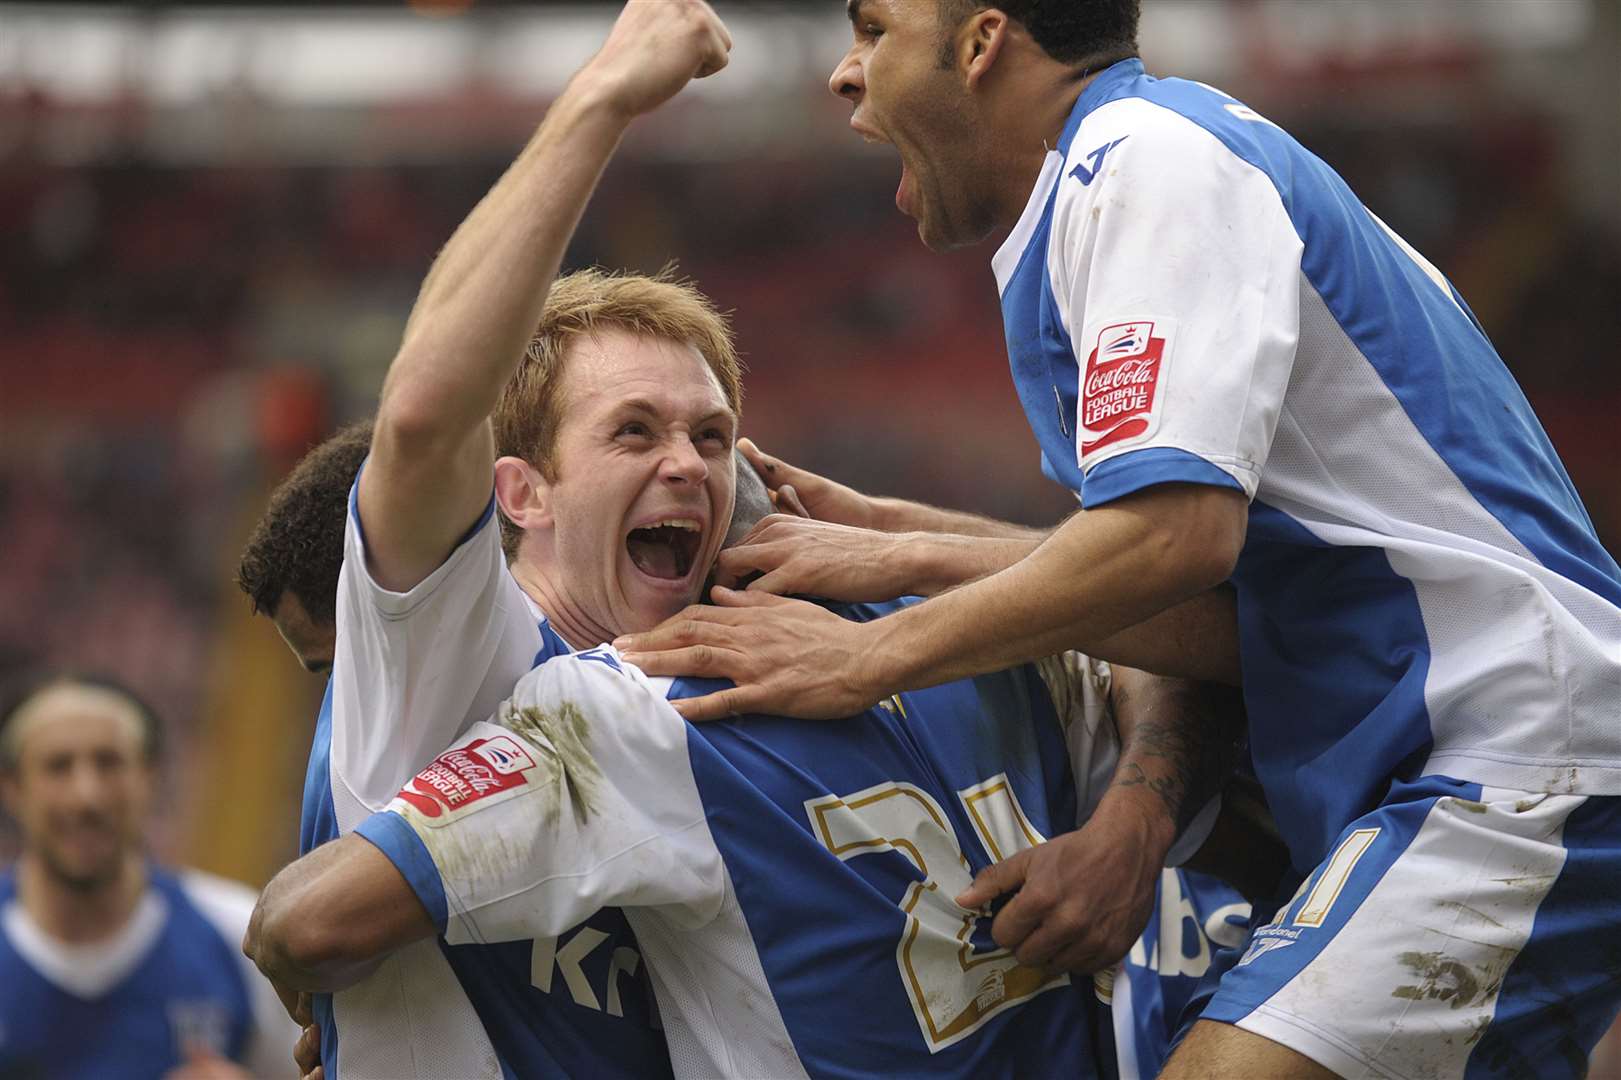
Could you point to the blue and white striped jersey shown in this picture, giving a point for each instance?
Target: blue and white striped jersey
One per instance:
(410, 673)
(791, 882)
(1191, 296)
(172, 981)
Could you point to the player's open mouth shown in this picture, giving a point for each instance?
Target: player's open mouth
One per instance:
(667, 548)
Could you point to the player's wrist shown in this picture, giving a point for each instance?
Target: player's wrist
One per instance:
(1144, 812)
(592, 96)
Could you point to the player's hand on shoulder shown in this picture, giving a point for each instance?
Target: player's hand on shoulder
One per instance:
(655, 48)
(786, 657)
(803, 493)
(817, 558)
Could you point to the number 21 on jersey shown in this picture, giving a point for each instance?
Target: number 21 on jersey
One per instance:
(953, 990)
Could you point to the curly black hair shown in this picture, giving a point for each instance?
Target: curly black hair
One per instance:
(1093, 32)
(297, 547)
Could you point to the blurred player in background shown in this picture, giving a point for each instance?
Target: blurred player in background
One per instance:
(109, 964)
(1242, 373)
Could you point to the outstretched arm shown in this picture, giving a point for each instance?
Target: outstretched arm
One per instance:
(429, 475)
(326, 920)
(829, 500)
(1102, 572)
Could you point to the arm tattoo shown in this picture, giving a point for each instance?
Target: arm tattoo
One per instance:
(1181, 740)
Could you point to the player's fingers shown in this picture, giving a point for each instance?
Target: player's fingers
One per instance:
(699, 624)
(717, 706)
(748, 558)
(774, 471)
(1027, 910)
(1041, 948)
(787, 499)
(994, 881)
(698, 661)
(307, 1050)
(735, 598)
(778, 582)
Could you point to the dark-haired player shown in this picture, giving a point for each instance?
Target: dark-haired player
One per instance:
(109, 964)
(1243, 374)
(289, 567)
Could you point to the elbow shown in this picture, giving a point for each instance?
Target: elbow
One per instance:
(410, 416)
(294, 947)
(1203, 545)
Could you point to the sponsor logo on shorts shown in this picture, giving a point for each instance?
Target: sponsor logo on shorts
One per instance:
(1268, 939)
(1120, 392)
(458, 778)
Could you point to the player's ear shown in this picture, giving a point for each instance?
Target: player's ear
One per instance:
(523, 493)
(979, 44)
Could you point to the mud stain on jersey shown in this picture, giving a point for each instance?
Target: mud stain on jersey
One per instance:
(562, 734)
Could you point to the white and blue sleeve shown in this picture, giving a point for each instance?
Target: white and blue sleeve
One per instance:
(579, 796)
(413, 669)
(1176, 270)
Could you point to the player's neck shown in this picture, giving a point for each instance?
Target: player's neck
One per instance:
(74, 915)
(566, 619)
(1029, 133)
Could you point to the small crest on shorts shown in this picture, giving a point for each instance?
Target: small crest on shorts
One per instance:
(1120, 392)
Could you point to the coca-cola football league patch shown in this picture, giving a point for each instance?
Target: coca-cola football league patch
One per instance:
(1120, 398)
(466, 775)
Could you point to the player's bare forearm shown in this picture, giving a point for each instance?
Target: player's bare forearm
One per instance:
(1100, 573)
(1180, 742)
(1197, 639)
(430, 471)
(325, 921)
(903, 515)
(938, 562)
(829, 500)
(433, 451)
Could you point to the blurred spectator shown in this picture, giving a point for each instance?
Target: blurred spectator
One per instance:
(110, 965)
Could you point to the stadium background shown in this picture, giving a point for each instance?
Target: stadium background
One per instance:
(215, 219)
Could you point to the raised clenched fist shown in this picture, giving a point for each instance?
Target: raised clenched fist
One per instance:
(655, 48)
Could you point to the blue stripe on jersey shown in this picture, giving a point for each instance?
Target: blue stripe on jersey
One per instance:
(1577, 917)
(1426, 349)
(755, 775)
(1041, 362)
(1304, 674)
(318, 820)
(1120, 476)
(1278, 952)
(396, 839)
